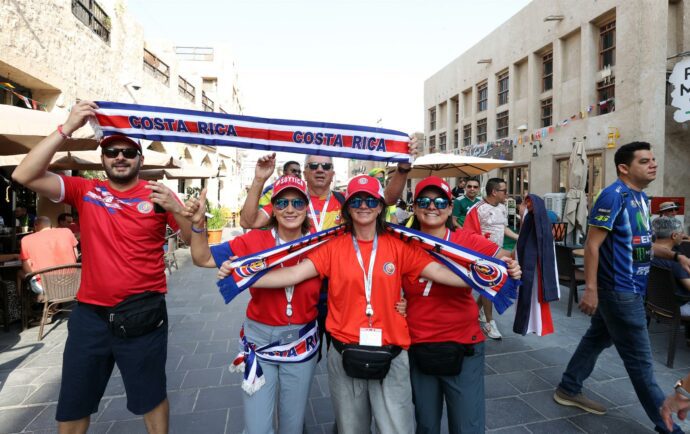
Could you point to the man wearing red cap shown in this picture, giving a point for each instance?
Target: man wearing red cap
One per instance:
(123, 222)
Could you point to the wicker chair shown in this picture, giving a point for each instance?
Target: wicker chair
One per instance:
(663, 303)
(568, 273)
(60, 285)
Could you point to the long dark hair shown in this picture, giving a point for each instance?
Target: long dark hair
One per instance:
(449, 221)
(380, 219)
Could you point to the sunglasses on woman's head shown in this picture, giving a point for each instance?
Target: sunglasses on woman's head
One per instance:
(424, 202)
(370, 202)
(128, 153)
(315, 166)
(298, 204)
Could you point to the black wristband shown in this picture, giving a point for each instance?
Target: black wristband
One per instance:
(401, 170)
(675, 256)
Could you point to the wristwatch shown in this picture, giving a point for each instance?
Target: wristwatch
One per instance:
(680, 389)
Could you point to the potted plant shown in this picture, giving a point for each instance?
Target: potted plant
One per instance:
(215, 224)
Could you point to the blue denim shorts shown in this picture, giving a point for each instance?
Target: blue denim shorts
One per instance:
(91, 352)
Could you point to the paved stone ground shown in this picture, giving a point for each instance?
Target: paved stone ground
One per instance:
(521, 373)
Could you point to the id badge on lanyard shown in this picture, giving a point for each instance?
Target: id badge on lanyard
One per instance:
(368, 335)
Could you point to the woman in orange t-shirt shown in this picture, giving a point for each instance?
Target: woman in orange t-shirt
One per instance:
(368, 368)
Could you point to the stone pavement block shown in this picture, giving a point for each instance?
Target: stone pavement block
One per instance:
(496, 386)
(506, 345)
(15, 395)
(611, 422)
(181, 348)
(231, 378)
(115, 387)
(202, 378)
(48, 375)
(45, 419)
(222, 359)
(219, 397)
(619, 391)
(202, 422)
(510, 430)
(504, 412)
(193, 361)
(46, 393)
(526, 381)
(116, 410)
(553, 356)
(235, 423)
(560, 426)
(16, 419)
(322, 381)
(504, 363)
(174, 379)
(323, 410)
(20, 376)
(128, 427)
(212, 347)
(543, 402)
(182, 401)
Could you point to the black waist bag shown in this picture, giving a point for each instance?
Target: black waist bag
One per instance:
(440, 358)
(367, 362)
(138, 315)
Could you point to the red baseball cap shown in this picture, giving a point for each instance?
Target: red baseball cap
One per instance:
(105, 141)
(433, 181)
(364, 184)
(290, 181)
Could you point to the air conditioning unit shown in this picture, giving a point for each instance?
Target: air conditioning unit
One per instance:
(556, 203)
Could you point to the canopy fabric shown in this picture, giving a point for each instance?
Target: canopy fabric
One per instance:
(21, 129)
(576, 198)
(91, 160)
(451, 165)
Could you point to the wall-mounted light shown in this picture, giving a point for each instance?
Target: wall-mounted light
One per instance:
(522, 128)
(480, 61)
(554, 18)
(536, 146)
(133, 84)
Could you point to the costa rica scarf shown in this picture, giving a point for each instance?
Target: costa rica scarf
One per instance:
(250, 132)
(487, 275)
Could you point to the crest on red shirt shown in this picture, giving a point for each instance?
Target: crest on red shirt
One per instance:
(144, 207)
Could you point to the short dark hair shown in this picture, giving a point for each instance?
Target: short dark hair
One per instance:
(380, 220)
(475, 179)
(62, 217)
(626, 153)
(285, 166)
(493, 184)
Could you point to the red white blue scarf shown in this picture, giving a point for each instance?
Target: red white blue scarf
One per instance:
(302, 349)
(487, 275)
(250, 132)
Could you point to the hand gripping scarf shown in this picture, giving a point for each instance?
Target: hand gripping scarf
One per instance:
(487, 275)
(249, 132)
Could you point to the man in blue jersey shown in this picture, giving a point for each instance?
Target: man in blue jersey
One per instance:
(617, 261)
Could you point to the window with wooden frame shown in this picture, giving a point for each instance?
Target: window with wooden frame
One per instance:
(481, 131)
(432, 144)
(156, 67)
(432, 118)
(442, 142)
(547, 72)
(206, 103)
(467, 135)
(606, 93)
(503, 81)
(607, 44)
(546, 112)
(456, 139)
(502, 125)
(595, 175)
(482, 96)
(93, 16)
(186, 89)
(517, 180)
(456, 106)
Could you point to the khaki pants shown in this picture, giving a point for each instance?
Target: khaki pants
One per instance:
(355, 400)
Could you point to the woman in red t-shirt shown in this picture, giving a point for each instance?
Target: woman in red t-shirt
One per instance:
(279, 337)
(447, 351)
(366, 268)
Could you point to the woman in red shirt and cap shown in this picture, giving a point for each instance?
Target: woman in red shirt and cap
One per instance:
(368, 368)
(280, 321)
(446, 355)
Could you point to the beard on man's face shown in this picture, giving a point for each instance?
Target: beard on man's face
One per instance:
(122, 176)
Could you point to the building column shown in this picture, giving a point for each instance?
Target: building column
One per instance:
(533, 91)
(589, 65)
(558, 74)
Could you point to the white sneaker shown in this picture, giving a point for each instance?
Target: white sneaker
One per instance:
(491, 330)
(482, 317)
(685, 310)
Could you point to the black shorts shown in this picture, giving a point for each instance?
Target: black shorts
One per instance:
(90, 354)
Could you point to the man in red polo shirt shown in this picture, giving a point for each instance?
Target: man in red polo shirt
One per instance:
(123, 221)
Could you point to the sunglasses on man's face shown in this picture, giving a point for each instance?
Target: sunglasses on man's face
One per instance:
(129, 153)
(425, 202)
(369, 202)
(298, 204)
(324, 166)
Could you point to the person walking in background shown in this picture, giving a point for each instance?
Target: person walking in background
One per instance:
(489, 217)
(617, 260)
(463, 203)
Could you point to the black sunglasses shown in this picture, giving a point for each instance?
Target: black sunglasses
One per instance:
(424, 202)
(315, 166)
(128, 153)
(298, 204)
(370, 202)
